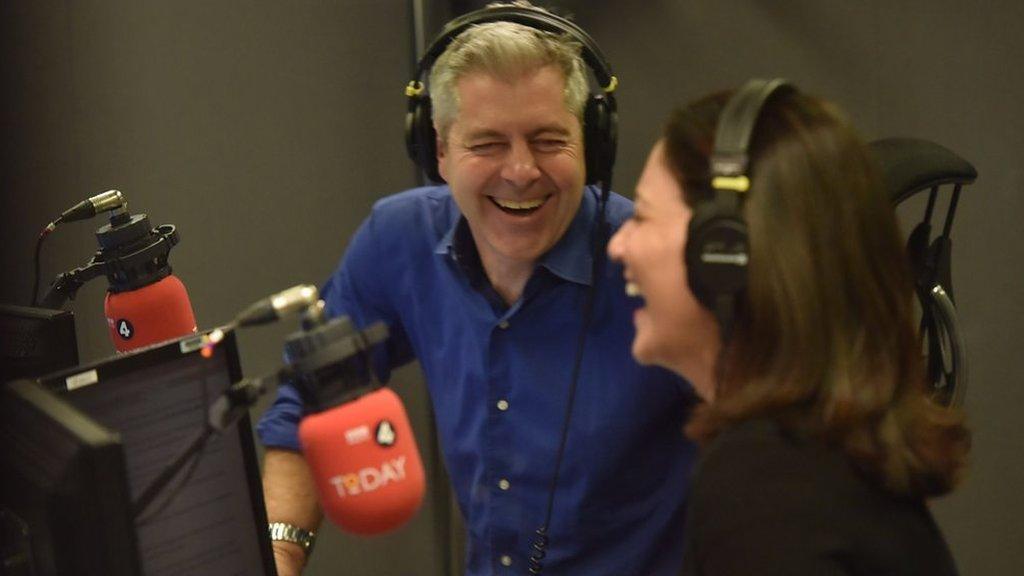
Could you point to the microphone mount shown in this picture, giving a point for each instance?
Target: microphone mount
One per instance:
(132, 254)
(329, 361)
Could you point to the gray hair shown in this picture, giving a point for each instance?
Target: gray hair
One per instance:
(505, 50)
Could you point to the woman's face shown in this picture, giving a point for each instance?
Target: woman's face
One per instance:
(672, 329)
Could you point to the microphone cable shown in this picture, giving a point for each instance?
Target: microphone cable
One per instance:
(109, 201)
(35, 261)
(541, 537)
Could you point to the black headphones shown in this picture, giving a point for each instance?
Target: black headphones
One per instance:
(717, 245)
(911, 166)
(599, 117)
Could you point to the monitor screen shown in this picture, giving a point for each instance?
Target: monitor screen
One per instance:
(210, 519)
(64, 498)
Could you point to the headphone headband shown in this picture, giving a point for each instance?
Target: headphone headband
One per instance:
(717, 249)
(730, 159)
(532, 18)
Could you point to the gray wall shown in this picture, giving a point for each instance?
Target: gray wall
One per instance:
(264, 131)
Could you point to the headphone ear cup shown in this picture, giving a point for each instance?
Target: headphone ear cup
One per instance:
(702, 214)
(420, 137)
(947, 354)
(599, 138)
(716, 254)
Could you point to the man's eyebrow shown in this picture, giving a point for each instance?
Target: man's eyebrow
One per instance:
(553, 129)
(483, 133)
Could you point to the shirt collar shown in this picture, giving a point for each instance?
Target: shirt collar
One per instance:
(571, 258)
(444, 246)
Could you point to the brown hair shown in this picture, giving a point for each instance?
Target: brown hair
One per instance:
(824, 341)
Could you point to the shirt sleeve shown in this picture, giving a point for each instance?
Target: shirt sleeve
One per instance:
(279, 425)
(359, 289)
(366, 288)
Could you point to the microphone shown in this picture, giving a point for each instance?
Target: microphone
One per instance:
(365, 463)
(145, 302)
(357, 440)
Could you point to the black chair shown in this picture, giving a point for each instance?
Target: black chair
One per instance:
(910, 166)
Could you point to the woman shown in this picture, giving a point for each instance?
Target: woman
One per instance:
(819, 444)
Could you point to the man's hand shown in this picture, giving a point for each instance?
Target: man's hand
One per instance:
(290, 495)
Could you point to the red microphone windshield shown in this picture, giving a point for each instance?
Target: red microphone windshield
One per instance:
(365, 463)
(154, 313)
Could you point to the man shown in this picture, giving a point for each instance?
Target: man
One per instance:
(483, 281)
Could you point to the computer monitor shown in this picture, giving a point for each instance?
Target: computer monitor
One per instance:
(35, 341)
(210, 520)
(64, 498)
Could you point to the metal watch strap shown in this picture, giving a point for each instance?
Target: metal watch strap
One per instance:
(283, 532)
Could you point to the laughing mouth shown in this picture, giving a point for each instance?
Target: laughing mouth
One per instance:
(516, 208)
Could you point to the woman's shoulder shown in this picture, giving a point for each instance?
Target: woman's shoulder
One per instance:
(759, 443)
(757, 464)
(772, 496)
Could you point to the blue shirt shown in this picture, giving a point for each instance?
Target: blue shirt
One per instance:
(499, 377)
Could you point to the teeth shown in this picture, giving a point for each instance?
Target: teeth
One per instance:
(632, 290)
(513, 205)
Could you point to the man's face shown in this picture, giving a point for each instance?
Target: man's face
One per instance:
(514, 160)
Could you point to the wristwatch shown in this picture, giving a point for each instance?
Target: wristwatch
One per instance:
(283, 532)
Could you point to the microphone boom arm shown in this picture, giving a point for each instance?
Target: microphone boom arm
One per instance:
(66, 285)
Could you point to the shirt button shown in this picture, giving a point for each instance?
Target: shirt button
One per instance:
(502, 405)
(504, 484)
(506, 560)
(503, 325)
